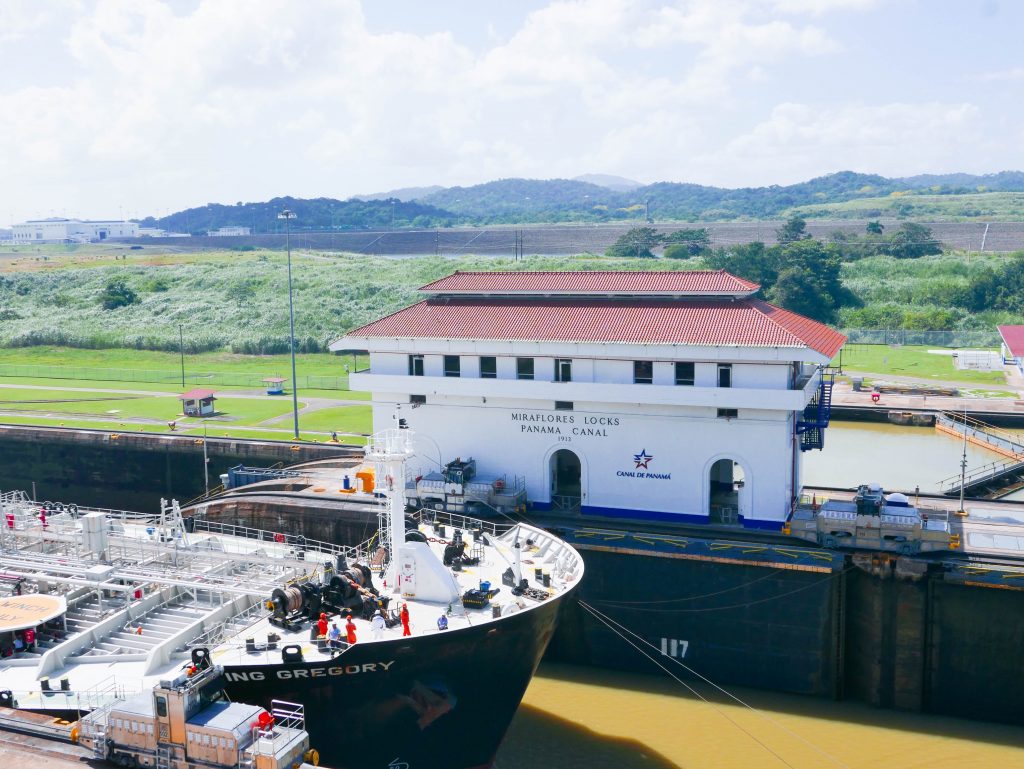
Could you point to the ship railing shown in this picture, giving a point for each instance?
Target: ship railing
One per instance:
(98, 698)
(263, 535)
(222, 630)
(442, 518)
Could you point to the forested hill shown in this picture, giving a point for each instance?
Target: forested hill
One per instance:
(521, 201)
(312, 214)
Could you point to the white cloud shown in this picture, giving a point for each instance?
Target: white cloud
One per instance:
(821, 7)
(159, 104)
(1014, 73)
(895, 139)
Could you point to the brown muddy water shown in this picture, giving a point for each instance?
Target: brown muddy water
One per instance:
(581, 718)
(898, 457)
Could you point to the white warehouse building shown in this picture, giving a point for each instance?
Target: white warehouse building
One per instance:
(60, 230)
(670, 396)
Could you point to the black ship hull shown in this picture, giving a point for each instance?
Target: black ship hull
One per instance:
(437, 701)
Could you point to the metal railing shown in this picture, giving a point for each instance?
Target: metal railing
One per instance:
(991, 471)
(442, 518)
(568, 503)
(725, 515)
(902, 336)
(263, 535)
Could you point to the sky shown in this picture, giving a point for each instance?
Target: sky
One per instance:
(129, 108)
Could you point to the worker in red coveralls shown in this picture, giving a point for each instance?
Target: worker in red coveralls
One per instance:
(321, 626)
(405, 620)
(350, 630)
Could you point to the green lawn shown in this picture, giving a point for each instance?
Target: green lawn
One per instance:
(172, 387)
(344, 419)
(320, 364)
(239, 411)
(910, 361)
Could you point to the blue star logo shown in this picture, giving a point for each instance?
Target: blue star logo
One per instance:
(642, 459)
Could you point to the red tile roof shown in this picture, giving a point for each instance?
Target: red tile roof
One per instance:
(742, 323)
(1014, 338)
(704, 282)
(196, 395)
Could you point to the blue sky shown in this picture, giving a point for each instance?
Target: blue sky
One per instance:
(144, 107)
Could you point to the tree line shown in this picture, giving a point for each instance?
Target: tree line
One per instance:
(804, 274)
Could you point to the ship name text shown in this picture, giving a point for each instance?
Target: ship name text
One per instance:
(285, 675)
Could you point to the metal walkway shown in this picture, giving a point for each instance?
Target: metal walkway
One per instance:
(991, 481)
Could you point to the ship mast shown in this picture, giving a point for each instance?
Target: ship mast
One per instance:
(389, 450)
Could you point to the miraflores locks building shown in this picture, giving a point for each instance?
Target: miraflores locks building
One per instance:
(672, 396)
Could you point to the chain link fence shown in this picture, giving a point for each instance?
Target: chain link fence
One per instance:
(171, 378)
(926, 338)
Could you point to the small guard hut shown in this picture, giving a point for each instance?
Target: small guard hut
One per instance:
(275, 385)
(197, 403)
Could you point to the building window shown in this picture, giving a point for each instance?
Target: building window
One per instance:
(419, 400)
(452, 365)
(524, 368)
(415, 365)
(563, 405)
(643, 372)
(488, 367)
(684, 374)
(725, 375)
(728, 413)
(563, 370)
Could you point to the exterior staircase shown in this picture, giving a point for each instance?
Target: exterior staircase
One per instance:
(812, 423)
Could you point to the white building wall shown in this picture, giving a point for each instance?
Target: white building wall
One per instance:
(511, 427)
(683, 442)
(61, 230)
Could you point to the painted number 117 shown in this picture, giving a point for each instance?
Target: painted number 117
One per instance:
(673, 647)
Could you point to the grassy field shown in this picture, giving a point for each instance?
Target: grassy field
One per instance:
(994, 205)
(242, 411)
(911, 361)
(348, 419)
(225, 300)
(318, 364)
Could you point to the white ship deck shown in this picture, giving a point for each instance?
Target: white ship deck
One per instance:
(134, 610)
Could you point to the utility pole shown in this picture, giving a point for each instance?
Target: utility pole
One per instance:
(288, 216)
(181, 349)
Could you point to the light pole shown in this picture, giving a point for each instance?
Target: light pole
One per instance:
(288, 216)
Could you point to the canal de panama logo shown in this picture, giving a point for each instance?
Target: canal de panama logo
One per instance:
(642, 459)
(642, 470)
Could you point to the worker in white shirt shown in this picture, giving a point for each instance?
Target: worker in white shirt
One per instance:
(377, 625)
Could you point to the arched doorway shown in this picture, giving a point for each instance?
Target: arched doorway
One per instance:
(726, 497)
(566, 480)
